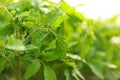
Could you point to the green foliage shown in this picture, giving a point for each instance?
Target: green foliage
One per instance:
(67, 74)
(15, 44)
(49, 73)
(76, 73)
(43, 40)
(32, 69)
(61, 46)
(2, 64)
(96, 69)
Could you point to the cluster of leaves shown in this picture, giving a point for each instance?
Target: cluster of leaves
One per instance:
(42, 40)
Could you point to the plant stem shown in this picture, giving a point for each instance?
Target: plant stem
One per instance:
(8, 12)
(53, 33)
(18, 67)
(9, 62)
(37, 30)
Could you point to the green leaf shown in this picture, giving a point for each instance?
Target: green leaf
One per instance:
(96, 70)
(110, 75)
(73, 56)
(72, 43)
(28, 24)
(49, 73)
(2, 64)
(59, 20)
(32, 69)
(5, 16)
(91, 53)
(51, 17)
(42, 37)
(6, 30)
(31, 47)
(61, 46)
(50, 56)
(67, 8)
(59, 51)
(38, 38)
(15, 44)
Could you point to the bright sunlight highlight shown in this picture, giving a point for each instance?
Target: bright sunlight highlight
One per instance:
(96, 8)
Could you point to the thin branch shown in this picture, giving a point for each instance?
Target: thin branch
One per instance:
(10, 63)
(19, 67)
(37, 30)
(53, 33)
(8, 12)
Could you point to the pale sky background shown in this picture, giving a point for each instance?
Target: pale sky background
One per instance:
(96, 8)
